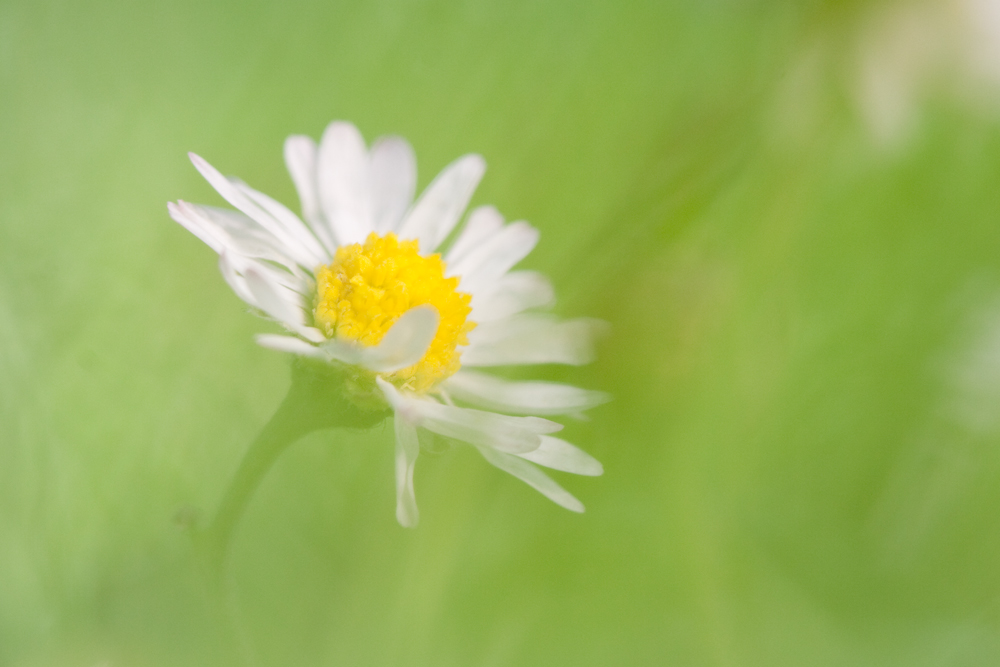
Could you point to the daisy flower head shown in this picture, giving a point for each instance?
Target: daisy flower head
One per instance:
(361, 283)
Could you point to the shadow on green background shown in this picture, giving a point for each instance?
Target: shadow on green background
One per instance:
(801, 457)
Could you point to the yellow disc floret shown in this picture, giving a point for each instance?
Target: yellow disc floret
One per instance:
(368, 287)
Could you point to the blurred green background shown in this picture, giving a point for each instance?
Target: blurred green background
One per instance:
(788, 212)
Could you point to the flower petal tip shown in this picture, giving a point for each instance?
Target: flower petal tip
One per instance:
(407, 521)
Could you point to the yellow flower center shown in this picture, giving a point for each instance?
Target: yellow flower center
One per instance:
(368, 287)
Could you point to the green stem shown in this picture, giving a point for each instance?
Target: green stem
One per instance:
(280, 431)
(315, 401)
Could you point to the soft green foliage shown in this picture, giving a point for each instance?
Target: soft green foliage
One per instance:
(801, 459)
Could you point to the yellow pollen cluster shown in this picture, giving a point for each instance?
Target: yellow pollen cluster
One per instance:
(368, 287)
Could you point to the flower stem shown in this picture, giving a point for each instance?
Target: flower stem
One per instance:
(315, 401)
(279, 432)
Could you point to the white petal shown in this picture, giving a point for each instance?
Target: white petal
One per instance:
(407, 449)
(270, 288)
(393, 182)
(311, 333)
(280, 296)
(292, 345)
(281, 304)
(406, 407)
(560, 455)
(533, 477)
(300, 158)
(235, 222)
(441, 205)
(224, 229)
(486, 429)
(515, 292)
(530, 339)
(403, 345)
(237, 198)
(483, 222)
(343, 179)
(182, 213)
(535, 398)
(296, 282)
(309, 252)
(234, 280)
(480, 269)
(406, 342)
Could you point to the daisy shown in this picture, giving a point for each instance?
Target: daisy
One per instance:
(358, 283)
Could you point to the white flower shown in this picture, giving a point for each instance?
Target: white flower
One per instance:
(358, 284)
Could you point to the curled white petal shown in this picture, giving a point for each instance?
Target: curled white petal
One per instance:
(476, 427)
(533, 477)
(441, 205)
(407, 450)
(344, 182)
(531, 339)
(538, 398)
(393, 182)
(560, 455)
(403, 345)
